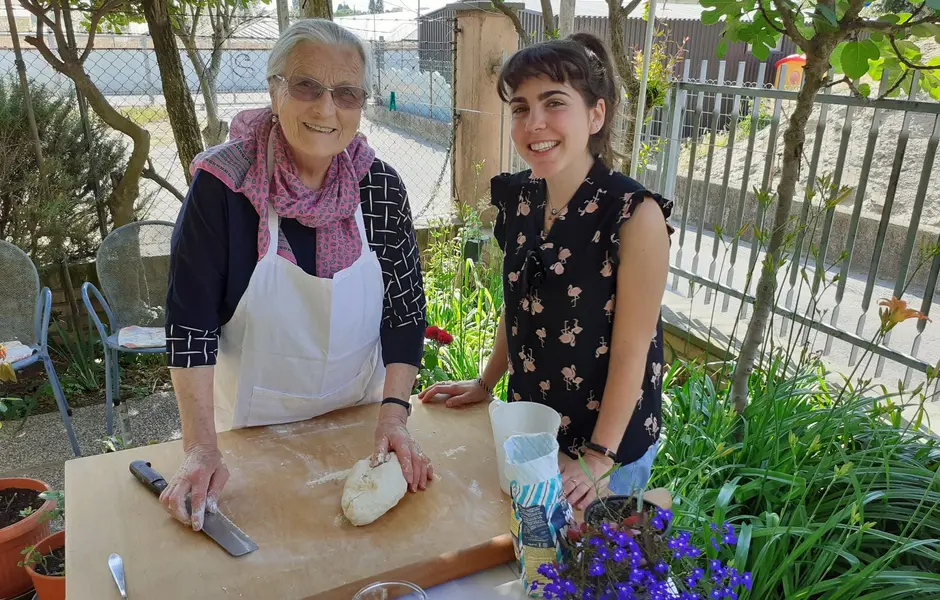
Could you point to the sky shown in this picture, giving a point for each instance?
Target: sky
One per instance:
(408, 5)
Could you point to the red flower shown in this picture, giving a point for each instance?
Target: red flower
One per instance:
(444, 338)
(432, 332)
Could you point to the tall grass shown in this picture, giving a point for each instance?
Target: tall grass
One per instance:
(836, 495)
(464, 297)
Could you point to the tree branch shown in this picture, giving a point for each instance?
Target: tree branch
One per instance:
(867, 25)
(38, 12)
(105, 8)
(907, 63)
(501, 7)
(788, 17)
(897, 84)
(763, 10)
(39, 44)
(150, 173)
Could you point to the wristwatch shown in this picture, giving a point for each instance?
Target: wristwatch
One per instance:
(483, 385)
(399, 402)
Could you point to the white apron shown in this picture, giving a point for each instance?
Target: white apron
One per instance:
(299, 346)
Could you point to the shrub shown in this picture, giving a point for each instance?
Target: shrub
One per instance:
(46, 215)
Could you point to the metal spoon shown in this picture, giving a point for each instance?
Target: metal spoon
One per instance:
(117, 571)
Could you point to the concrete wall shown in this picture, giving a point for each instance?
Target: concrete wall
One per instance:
(895, 235)
(431, 130)
(485, 35)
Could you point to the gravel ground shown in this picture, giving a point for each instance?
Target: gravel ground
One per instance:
(39, 447)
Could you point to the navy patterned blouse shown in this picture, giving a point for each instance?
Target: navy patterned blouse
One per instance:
(560, 298)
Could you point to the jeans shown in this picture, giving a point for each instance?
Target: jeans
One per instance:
(633, 478)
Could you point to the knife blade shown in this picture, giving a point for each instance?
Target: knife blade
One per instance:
(216, 525)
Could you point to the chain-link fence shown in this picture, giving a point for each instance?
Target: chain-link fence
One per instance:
(407, 120)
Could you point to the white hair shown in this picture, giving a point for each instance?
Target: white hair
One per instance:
(324, 32)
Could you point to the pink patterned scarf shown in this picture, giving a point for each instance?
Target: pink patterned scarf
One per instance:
(241, 164)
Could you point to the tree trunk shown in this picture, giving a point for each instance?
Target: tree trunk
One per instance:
(795, 136)
(179, 102)
(617, 14)
(548, 19)
(318, 9)
(216, 130)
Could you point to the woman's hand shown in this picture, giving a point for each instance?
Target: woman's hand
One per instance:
(201, 477)
(459, 393)
(391, 435)
(579, 488)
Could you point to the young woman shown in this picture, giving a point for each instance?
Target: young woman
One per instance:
(586, 256)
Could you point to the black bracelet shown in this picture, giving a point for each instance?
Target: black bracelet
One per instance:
(483, 385)
(601, 450)
(399, 402)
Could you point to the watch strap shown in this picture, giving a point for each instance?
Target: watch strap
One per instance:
(399, 402)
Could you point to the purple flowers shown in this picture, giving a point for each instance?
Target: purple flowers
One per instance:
(638, 559)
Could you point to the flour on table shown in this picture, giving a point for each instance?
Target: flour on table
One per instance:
(453, 451)
(475, 488)
(334, 476)
(370, 492)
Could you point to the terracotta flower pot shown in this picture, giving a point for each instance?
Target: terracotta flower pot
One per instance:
(48, 587)
(24, 533)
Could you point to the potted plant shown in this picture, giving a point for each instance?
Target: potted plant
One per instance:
(24, 521)
(628, 549)
(45, 562)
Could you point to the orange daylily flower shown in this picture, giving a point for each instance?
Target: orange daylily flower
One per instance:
(896, 311)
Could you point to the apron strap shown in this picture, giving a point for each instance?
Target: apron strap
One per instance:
(274, 220)
(360, 222)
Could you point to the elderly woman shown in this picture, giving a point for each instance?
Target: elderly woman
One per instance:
(295, 284)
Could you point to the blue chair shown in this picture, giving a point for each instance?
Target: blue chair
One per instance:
(133, 265)
(25, 310)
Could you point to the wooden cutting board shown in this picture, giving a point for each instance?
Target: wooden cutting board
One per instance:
(285, 490)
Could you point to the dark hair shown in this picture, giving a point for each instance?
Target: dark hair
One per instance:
(582, 61)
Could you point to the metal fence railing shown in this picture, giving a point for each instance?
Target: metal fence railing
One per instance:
(411, 134)
(868, 227)
(715, 149)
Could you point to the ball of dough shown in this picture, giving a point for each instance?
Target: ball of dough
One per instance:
(370, 493)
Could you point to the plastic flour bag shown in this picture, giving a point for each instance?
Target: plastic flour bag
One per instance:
(540, 512)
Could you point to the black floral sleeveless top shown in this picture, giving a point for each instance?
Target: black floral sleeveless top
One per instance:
(560, 297)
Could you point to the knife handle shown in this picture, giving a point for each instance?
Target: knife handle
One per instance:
(148, 476)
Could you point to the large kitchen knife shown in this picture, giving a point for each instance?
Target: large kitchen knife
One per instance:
(215, 524)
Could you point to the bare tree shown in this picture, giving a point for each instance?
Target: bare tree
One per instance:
(69, 60)
(179, 102)
(318, 9)
(225, 17)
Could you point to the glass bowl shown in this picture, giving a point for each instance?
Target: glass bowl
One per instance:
(386, 590)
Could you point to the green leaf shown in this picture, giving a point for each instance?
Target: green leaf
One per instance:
(865, 90)
(722, 48)
(855, 57)
(744, 545)
(760, 50)
(829, 14)
(710, 17)
(835, 59)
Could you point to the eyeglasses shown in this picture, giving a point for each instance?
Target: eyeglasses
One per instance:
(307, 89)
